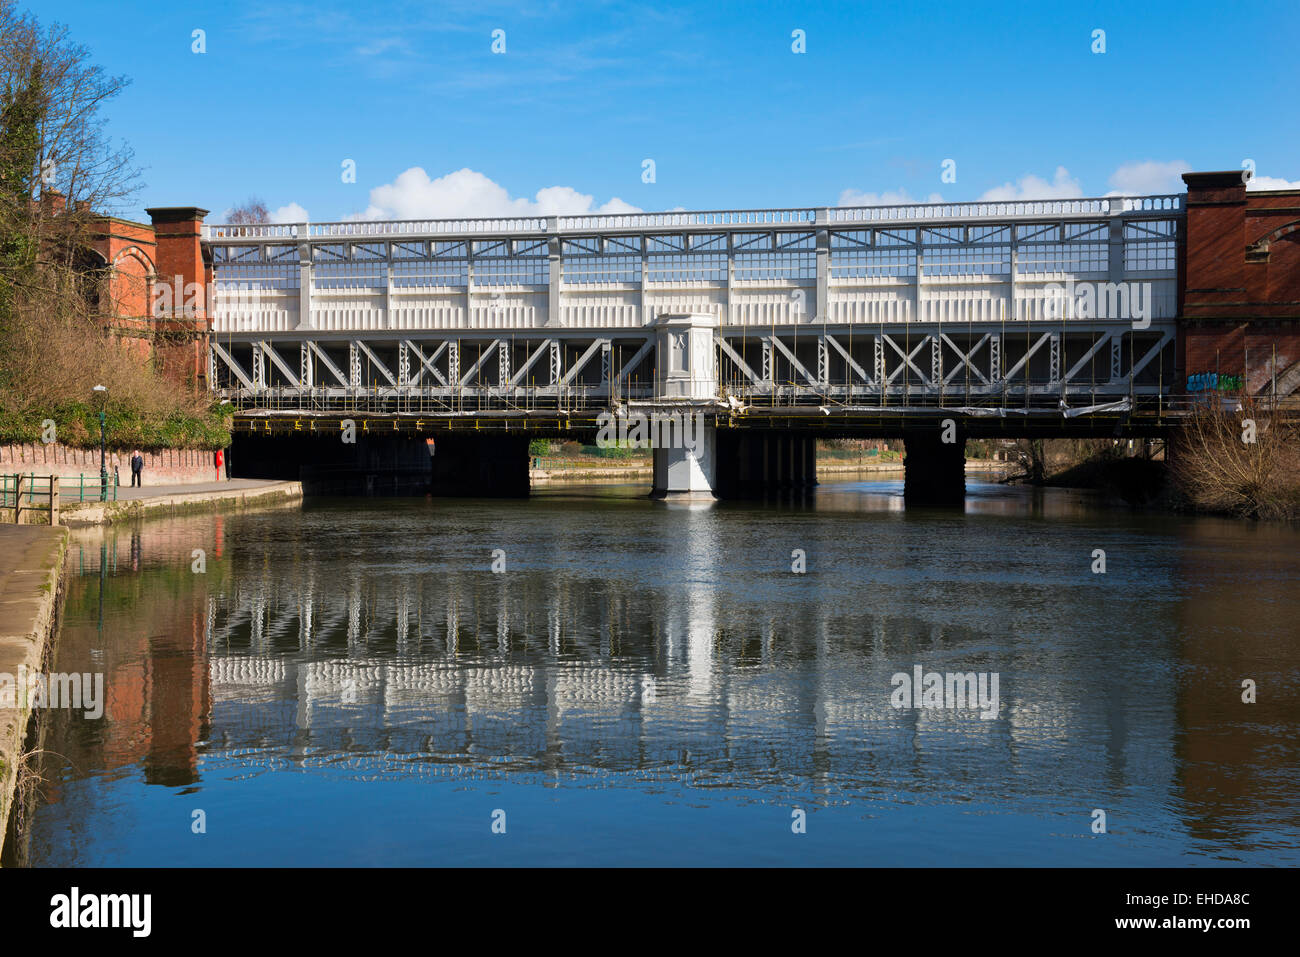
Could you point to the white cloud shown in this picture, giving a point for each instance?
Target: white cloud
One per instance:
(1149, 176)
(1271, 182)
(1062, 186)
(890, 197)
(470, 194)
(383, 45)
(293, 213)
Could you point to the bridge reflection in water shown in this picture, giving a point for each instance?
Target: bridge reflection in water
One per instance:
(638, 649)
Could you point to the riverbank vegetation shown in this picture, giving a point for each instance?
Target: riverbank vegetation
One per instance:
(59, 175)
(1226, 461)
(1238, 462)
(1132, 471)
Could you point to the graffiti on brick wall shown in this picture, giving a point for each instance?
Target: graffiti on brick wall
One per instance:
(1213, 382)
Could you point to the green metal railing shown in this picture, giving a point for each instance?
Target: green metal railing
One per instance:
(25, 497)
(29, 499)
(88, 489)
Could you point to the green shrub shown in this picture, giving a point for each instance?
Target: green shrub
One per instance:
(77, 426)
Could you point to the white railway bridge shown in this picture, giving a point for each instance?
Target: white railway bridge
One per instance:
(1050, 312)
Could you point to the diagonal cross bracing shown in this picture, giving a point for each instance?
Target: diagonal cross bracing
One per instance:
(374, 360)
(812, 380)
(852, 363)
(635, 361)
(964, 358)
(231, 364)
(427, 362)
(582, 361)
(329, 364)
(280, 364)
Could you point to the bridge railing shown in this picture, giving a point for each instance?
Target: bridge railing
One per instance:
(433, 400)
(703, 219)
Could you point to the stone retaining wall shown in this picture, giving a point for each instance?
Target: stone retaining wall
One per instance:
(109, 513)
(31, 565)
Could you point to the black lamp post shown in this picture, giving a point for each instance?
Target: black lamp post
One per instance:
(103, 467)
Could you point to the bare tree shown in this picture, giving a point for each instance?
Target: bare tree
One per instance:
(1238, 461)
(59, 171)
(251, 212)
(59, 174)
(72, 155)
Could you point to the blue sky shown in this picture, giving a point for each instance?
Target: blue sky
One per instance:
(439, 125)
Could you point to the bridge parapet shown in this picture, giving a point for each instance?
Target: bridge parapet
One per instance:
(948, 262)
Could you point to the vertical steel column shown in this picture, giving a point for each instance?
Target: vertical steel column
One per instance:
(728, 316)
(389, 321)
(645, 316)
(1014, 266)
(469, 284)
(1115, 241)
(823, 264)
(304, 278)
(920, 270)
(555, 273)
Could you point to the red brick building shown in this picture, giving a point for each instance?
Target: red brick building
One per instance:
(1240, 295)
(168, 326)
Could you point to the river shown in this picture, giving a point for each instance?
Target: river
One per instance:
(589, 677)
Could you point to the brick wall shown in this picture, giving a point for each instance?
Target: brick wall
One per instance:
(180, 261)
(167, 467)
(1255, 352)
(1240, 311)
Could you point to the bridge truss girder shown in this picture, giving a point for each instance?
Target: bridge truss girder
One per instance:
(484, 371)
(907, 364)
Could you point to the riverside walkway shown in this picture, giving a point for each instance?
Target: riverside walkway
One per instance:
(31, 559)
(169, 499)
(193, 488)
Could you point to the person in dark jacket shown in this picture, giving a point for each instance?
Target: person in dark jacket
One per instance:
(137, 467)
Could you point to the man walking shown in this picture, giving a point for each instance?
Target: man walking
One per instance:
(218, 459)
(137, 466)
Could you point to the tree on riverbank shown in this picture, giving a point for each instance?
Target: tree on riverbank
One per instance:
(59, 174)
(1239, 462)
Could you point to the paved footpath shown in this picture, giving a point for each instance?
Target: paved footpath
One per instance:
(150, 491)
(31, 559)
(152, 500)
